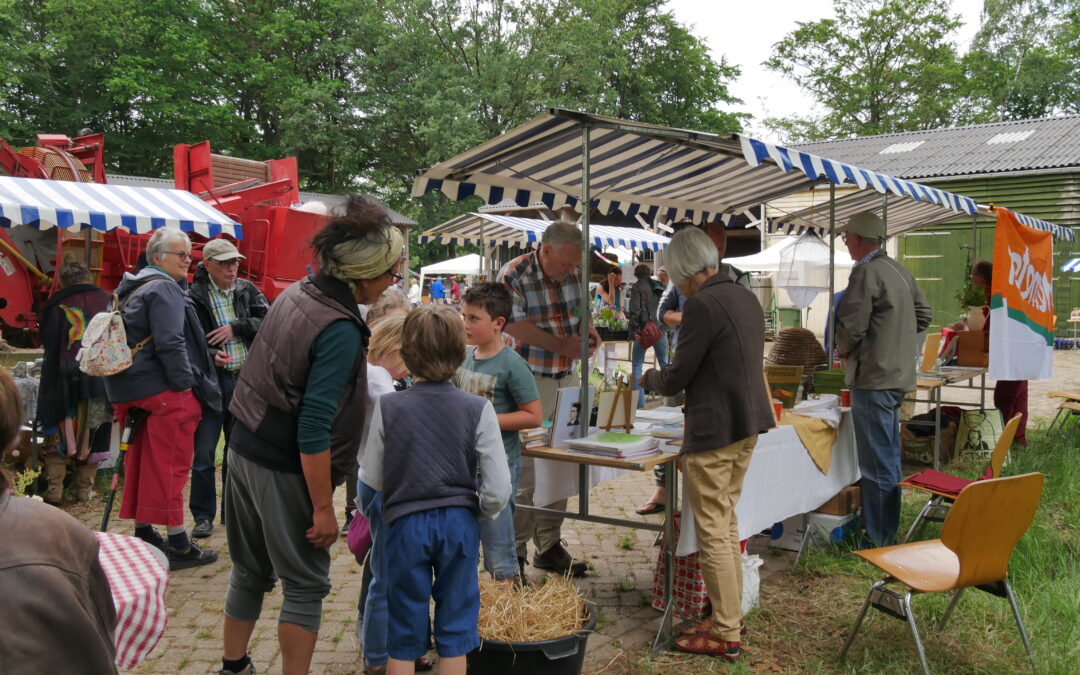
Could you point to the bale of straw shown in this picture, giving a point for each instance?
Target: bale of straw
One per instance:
(509, 613)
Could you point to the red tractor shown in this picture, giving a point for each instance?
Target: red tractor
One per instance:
(261, 196)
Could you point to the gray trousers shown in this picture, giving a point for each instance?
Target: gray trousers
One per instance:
(545, 530)
(267, 514)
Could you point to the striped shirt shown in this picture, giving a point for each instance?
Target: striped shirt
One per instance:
(554, 307)
(221, 303)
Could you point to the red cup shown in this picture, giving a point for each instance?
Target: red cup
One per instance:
(845, 398)
(778, 409)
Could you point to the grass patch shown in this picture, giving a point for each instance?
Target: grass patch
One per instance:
(627, 541)
(625, 585)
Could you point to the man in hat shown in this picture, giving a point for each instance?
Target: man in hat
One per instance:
(878, 322)
(230, 310)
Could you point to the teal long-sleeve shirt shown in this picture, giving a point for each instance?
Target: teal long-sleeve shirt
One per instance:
(333, 356)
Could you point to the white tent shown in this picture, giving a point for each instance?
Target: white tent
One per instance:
(771, 258)
(466, 264)
(801, 266)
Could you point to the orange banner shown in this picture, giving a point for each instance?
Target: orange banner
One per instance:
(1023, 269)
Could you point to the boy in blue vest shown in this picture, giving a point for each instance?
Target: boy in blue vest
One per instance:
(424, 451)
(495, 371)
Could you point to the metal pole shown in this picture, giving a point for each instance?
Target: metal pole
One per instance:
(829, 346)
(585, 318)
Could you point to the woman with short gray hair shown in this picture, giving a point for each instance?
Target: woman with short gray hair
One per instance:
(170, 380)
(719, 364)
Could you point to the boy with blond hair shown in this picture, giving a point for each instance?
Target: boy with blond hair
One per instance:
(495, 371)
(426, 447)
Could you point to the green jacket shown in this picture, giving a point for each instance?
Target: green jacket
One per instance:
(878, 323)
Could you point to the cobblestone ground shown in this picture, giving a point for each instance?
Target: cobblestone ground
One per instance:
(620, 583)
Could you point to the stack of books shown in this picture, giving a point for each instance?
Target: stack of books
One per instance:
(667, 430)
(537, 437)
(615, 445)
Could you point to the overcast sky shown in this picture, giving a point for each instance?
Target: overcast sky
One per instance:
(744, 33)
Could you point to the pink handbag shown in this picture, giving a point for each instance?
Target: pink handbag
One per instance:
(359, 538)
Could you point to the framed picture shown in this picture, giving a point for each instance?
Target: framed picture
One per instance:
(568, 415)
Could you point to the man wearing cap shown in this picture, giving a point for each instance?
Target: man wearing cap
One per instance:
(230, 311)
(878, 322)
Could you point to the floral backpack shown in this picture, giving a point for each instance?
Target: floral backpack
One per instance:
(105, 349)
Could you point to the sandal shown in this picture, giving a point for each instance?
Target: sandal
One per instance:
(708, 645)
(649, 508)
(423, 664)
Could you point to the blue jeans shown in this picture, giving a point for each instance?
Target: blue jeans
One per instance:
(876, 415)
(638, 358)
(497, 535)
(376, 612)
(203, 498)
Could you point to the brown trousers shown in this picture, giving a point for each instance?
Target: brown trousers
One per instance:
(714, 481)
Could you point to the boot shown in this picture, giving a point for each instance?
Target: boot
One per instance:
(84, 481)
(55, 468)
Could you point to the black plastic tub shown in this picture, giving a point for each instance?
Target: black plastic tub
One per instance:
(561, 656)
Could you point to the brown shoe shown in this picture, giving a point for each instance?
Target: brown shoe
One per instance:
(559, 560)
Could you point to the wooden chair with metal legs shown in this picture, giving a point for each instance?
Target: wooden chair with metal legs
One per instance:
(977, 539)
(944, 487)
(1067, 420)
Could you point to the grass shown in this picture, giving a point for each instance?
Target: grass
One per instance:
(806, 613)
(625, 584)
(627, 541)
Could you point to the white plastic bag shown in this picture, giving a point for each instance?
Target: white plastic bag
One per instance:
(751, 582)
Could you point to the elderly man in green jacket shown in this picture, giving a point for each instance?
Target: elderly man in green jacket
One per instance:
(878, 323)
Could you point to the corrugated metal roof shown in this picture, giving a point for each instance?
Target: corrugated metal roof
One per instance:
(1023, 145)
(330, 200)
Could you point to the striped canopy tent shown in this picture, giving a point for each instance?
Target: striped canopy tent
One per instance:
(486, 229)
(1071, 266)
(44, 204)
(901, 216)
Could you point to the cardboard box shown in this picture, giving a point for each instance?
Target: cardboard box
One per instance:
(846, 501)
(788, 533)
(824, 529)
(973, 348)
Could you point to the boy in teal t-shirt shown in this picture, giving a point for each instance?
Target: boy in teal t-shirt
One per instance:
(495, 371)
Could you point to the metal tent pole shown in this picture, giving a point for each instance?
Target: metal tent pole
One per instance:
(829, 346)
(585, 412)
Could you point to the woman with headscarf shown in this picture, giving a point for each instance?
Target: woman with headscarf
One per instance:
(299, 413)
(72, 406)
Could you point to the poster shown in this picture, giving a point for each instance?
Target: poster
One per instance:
(1021, 301)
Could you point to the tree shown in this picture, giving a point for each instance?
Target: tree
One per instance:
(1022, 63)
(880, 66)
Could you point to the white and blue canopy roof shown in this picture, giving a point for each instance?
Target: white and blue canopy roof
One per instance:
(496, 230)
(663, 173)
(1071, 266)
(44, 204)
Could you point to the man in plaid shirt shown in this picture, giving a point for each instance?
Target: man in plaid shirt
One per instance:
(230, 311)
(547, 330)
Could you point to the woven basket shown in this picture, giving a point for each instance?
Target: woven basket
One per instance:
(796, 347)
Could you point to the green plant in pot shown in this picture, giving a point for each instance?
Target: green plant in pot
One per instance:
(611, 324)
(972, 299)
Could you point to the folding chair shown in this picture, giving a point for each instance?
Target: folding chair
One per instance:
(1066, 412)
(944, 487)
(980, 532)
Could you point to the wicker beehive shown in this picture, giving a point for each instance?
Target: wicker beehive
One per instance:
(796, 347)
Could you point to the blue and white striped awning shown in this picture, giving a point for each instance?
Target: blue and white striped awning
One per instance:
(659, 172)
(45, 204)
(1071, 266)
(495, 230)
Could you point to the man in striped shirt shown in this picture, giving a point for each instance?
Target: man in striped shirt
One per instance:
(548, 322)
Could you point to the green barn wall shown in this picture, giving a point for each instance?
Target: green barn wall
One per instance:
(937, 256)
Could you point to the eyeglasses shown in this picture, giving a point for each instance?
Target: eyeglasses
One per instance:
(183, 255)
(394, 276)
(229, 264)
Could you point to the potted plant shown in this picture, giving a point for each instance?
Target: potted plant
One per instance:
(611, 325)
(973, 299)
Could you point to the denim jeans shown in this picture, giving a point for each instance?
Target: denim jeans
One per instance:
(497, 535)
(203, 498)
(638, 358)
(876, 415)
(376, 611)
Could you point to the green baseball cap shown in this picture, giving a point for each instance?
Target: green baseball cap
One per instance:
(865, 224)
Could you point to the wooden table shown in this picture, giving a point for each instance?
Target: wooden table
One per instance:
(933, 381)
(665, 634)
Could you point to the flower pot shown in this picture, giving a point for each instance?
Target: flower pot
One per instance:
(976, 320)
(561, 656)
(611, 335)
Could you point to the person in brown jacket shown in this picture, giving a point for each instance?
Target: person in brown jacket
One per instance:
(58, 614)
(719, 364)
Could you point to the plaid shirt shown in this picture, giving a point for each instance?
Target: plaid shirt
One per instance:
(554, 307)
(221, 303)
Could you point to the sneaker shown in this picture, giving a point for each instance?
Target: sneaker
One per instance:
(559, 560)
(249, 669)
(202, 529)
(350, 512)
(152, 537)
(193, 557)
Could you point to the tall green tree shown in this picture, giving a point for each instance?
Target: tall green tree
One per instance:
(879, 66)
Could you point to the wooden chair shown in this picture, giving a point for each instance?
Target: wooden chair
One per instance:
(988, 519)
(943, 488)
(1068, 409)
(930, 352)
